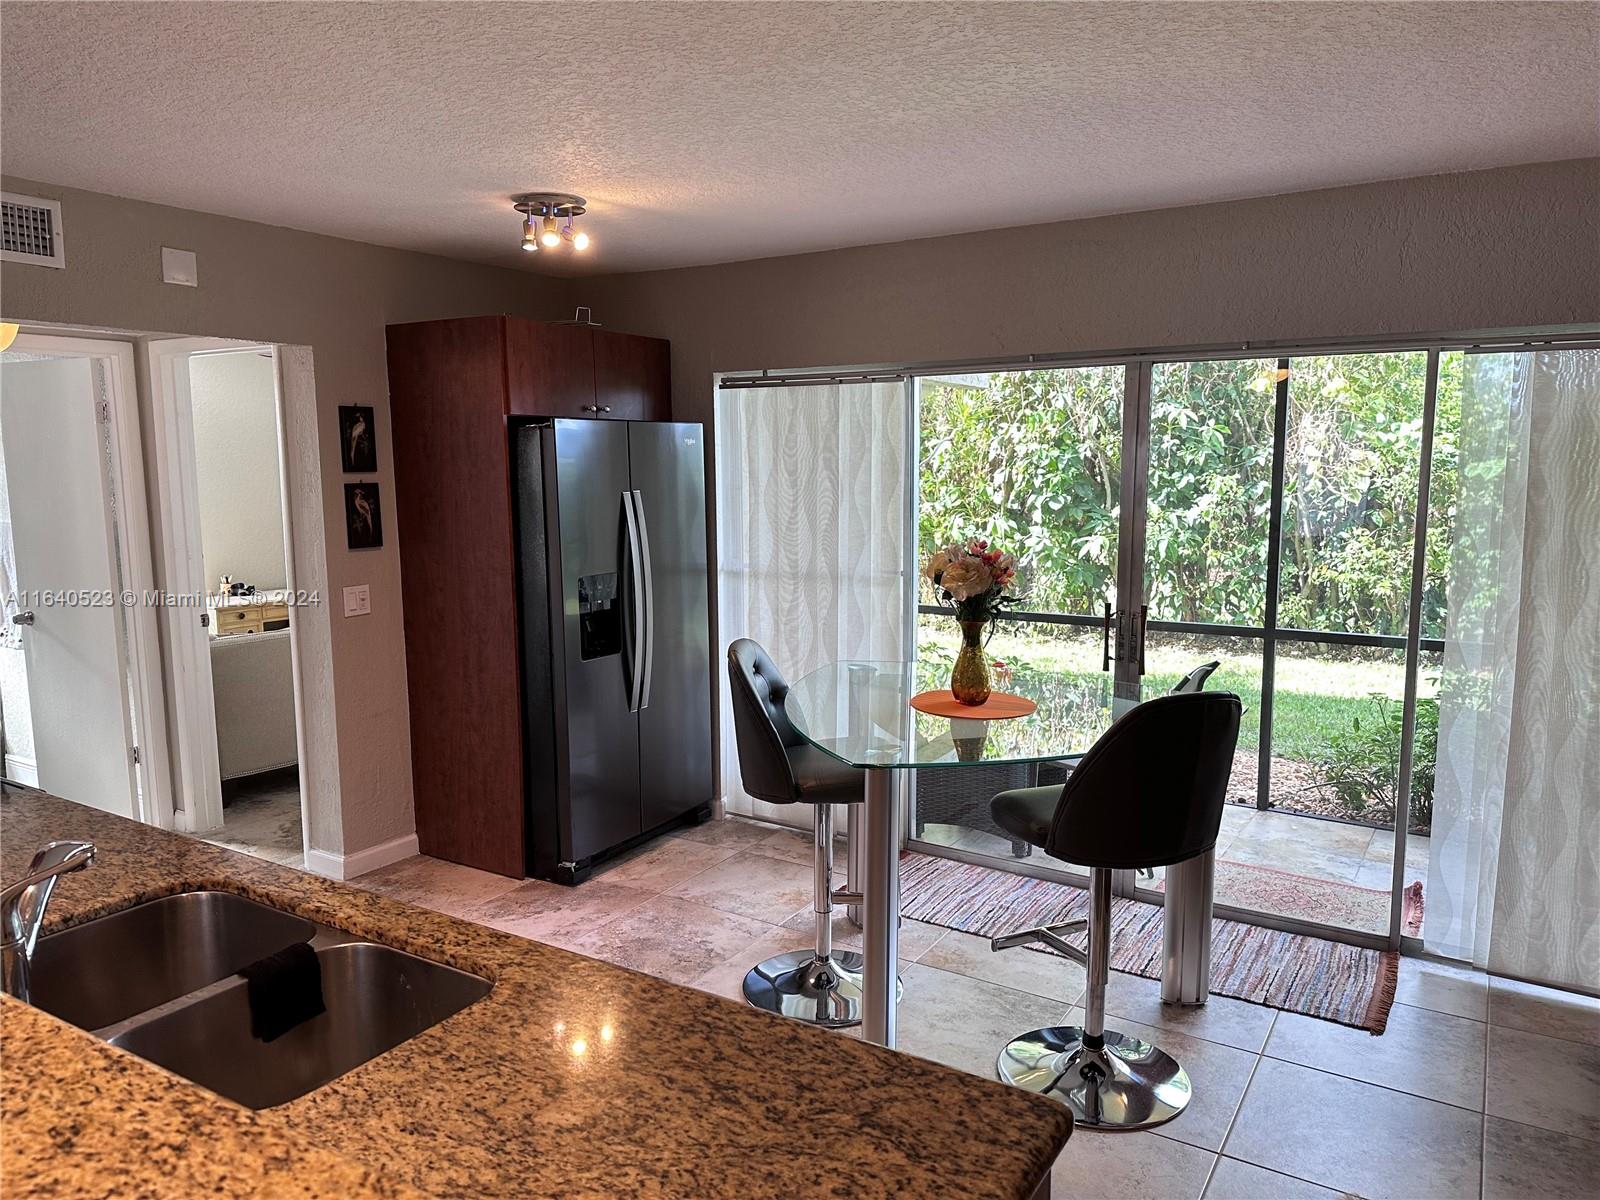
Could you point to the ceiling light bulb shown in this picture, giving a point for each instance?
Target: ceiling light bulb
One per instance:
(530, 240)
(580, 241)
(551, 236)
(8, 334)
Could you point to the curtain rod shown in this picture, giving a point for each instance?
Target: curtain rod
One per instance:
(1476, 342)
(731, 383)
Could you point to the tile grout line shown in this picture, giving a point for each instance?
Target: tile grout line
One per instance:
(1371, 1083)
(1576, 1137)
(1233, 1118)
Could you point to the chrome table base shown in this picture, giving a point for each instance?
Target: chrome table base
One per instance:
(1129, 1084)
(822, 991)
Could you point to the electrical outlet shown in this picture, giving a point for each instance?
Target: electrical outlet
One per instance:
(358, 600)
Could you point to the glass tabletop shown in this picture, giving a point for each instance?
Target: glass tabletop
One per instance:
(861, 714)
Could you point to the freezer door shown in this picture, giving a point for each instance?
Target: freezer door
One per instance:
(597, 619)
(675, 713)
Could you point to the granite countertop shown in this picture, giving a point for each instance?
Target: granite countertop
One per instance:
(82, 1119)
(690, 1095)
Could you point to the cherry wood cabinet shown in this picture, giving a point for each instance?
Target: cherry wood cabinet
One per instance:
(550, 369)
(632, 376)
(452, 386)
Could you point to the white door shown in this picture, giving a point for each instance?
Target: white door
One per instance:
(55, 434)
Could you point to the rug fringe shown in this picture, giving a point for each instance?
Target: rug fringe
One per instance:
(1377, 1018)
(1411, 908)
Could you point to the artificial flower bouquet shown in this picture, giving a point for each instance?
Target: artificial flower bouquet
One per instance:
(976, 580)
(979, 583)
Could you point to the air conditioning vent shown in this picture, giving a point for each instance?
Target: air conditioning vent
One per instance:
(30, 230)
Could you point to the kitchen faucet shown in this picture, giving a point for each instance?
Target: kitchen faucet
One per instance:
(22, 906)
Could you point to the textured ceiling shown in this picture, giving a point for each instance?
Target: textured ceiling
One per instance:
(713, 132)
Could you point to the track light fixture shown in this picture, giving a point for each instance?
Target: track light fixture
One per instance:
(547, 220)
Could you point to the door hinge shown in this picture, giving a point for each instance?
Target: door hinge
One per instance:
(134, 750)
(205, 620)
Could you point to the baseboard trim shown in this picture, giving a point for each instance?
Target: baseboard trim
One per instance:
(23, 770)
(349, 866)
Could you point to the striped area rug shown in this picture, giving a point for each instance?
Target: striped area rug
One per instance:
(1330, 980)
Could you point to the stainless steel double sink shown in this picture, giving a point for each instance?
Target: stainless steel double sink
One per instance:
(160, 980)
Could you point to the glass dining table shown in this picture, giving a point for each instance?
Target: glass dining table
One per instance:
(860, 713)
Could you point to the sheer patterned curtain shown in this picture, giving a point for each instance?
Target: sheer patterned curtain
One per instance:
(1514, 877)
(811, 534)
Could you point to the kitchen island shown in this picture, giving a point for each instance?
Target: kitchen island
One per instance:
(571, 1078)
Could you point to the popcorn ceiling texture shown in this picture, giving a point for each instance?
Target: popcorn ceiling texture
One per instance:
(717, 132)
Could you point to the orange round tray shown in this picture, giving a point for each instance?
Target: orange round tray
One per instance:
(1000, 706)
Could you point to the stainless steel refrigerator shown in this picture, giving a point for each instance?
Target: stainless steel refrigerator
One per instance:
(614, 635)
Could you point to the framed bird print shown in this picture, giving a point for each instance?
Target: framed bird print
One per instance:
(363, 519)
(358, 440)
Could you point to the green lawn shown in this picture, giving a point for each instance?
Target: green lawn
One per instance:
(1315, 694)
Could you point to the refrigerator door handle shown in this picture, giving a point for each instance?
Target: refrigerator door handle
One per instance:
(636, 651)
(647, 578)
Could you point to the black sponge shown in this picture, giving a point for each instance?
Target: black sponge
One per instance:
(284, 990)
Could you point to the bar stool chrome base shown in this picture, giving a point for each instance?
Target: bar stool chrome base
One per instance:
(1129, 1084)
(821, 991)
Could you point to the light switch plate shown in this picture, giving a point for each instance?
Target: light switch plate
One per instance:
(358, 600)
(179, 266)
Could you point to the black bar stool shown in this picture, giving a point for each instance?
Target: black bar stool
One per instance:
(1149, 793)
(822, 986)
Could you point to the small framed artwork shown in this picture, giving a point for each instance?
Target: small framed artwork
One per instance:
(358, 443)
(363, 518)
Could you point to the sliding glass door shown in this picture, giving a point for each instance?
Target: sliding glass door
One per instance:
(1258, 513)
(1208, 524)
(1282, 524)
(1032, 462)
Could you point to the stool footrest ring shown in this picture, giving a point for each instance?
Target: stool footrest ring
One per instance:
(1050, 935)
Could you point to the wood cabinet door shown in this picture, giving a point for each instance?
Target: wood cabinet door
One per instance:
(549, 369)
(632, 377)
(457, 576)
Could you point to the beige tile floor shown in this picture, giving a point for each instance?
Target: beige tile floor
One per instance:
(1481, 1089)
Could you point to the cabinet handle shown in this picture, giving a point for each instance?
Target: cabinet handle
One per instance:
(590, 408)
(606, 408)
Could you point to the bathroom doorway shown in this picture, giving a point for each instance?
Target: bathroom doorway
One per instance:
(222, 507)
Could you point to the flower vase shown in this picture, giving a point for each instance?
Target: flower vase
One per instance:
(969, 680)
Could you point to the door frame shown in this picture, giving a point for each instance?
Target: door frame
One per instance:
(138, 632)
(1126, 628)
(176, 497)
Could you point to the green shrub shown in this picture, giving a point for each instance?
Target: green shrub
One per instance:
(1360, 765)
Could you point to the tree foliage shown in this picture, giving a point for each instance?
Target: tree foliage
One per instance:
(1031, 460)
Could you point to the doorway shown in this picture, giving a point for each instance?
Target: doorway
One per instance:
(221, 504)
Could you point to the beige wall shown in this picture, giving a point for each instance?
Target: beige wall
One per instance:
(264, 283)
(234, 401)
(1489, 249)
